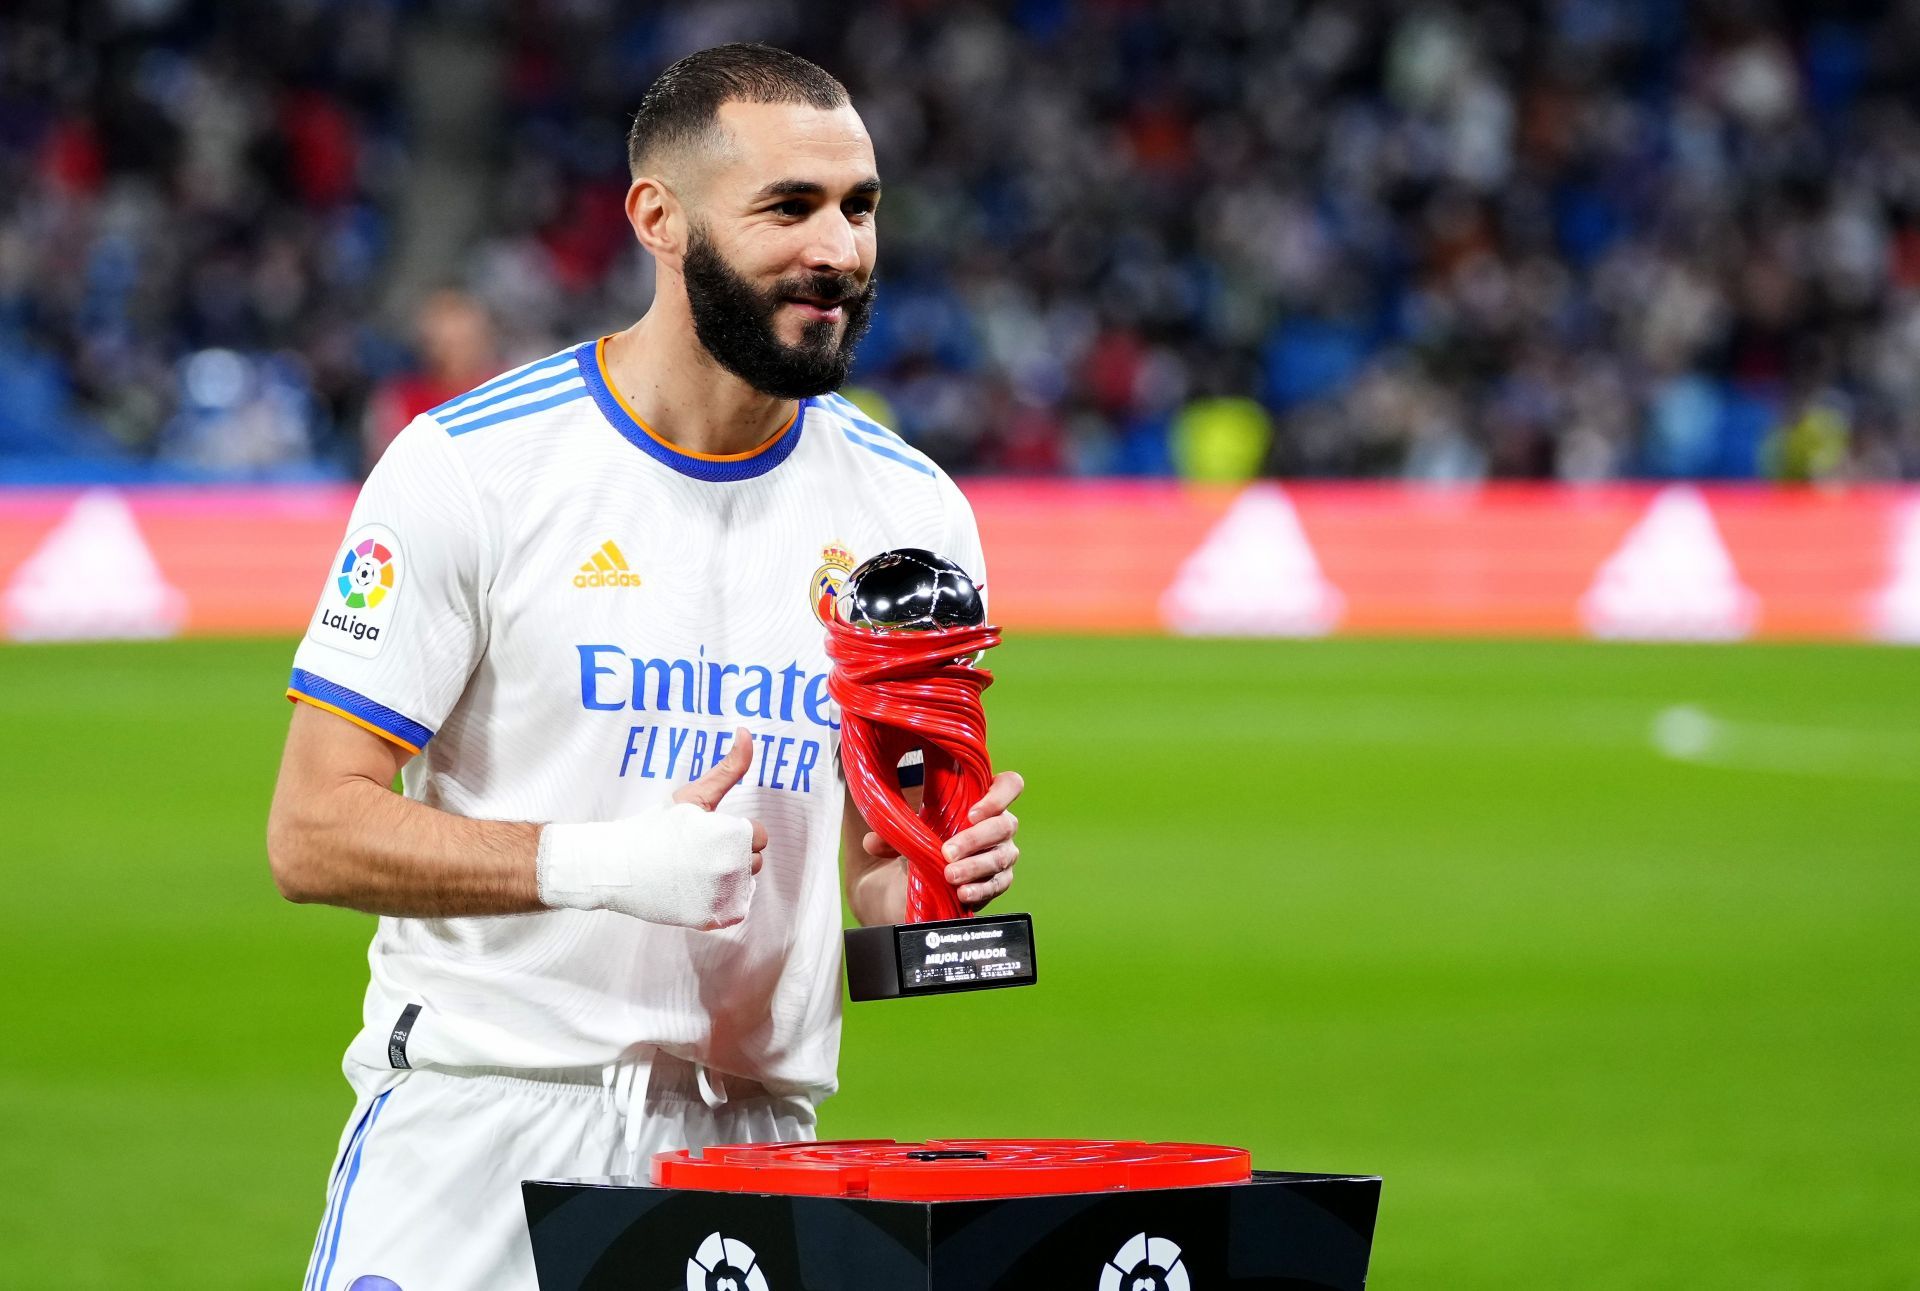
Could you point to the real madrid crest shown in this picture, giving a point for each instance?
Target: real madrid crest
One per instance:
(829, 579)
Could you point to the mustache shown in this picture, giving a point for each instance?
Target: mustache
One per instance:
(825, 289)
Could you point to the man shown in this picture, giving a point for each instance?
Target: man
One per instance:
(588, 593)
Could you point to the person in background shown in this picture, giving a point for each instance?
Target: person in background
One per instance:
(457, 351)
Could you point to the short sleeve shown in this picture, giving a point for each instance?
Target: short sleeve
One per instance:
(961, 544)
(399, 628)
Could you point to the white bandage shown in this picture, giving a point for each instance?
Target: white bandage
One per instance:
(679, 865)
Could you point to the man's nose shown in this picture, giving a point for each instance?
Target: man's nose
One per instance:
(832, 248)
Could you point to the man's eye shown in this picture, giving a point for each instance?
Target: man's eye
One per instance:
(861, 207)
(793, 210)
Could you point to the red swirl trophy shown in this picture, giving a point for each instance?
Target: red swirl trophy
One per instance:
(907, 630)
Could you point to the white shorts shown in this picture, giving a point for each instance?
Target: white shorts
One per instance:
(425, 1191)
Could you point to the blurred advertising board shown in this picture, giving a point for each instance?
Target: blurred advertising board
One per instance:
(1646, 562)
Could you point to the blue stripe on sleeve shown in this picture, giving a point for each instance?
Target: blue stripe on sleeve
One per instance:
(530, 387)
(519, 410)
(872, 436)
(874, 447)
(881, 435)
(544, 365)
(852, 412)
(395, 724)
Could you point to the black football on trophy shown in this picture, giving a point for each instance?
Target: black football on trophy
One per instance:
(911, 590)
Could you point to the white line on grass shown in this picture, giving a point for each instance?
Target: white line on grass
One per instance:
(1688, 733)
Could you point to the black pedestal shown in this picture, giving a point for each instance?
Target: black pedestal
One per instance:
(979, 953)
(1278, 1232)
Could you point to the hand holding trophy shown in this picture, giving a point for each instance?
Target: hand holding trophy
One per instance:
(907, 631)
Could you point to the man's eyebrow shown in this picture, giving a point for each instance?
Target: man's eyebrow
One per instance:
(869, 187)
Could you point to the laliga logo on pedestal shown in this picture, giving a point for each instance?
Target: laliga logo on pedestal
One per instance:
(725, 1264)
(1145, 1264)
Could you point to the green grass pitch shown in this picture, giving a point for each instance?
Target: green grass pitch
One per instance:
(1604, 1016)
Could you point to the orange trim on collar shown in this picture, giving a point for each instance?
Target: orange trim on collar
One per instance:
(606, 377)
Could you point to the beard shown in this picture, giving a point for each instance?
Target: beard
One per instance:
(735, 322)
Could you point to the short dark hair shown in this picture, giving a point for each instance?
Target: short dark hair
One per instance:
(683, 103)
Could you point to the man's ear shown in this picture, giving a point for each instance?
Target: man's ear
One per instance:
(659, 221)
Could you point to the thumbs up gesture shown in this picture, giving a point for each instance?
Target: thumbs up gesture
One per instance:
(689, 865)
(706, 792)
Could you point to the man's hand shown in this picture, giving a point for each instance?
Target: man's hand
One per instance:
(706, 792)
(980, 858)
(686, 865)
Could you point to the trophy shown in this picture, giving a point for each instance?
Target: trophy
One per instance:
(906, 633)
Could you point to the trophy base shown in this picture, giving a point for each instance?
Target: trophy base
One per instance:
(976, 954)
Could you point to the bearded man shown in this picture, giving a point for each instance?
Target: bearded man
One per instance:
(578, 613)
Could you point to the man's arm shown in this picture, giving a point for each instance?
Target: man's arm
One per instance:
(338, 835)
(875, 875)
(980, 858)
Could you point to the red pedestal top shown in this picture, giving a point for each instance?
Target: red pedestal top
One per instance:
(950, 1169)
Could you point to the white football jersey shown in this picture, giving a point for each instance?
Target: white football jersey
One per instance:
(565, 618)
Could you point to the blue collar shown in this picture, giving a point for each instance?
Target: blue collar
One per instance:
(700, 466)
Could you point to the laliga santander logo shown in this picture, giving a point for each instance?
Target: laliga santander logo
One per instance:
(366, 575)
(725, 1264)
(1145, 1264)
(829, 580)
(367, 579)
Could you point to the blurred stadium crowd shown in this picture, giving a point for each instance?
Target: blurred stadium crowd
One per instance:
(1582, 239)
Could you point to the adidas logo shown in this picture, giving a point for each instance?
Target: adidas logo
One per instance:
(608, 568)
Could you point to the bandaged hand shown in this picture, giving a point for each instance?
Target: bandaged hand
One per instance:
(687, 864)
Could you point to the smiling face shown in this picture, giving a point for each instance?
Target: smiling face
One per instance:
(780, 244)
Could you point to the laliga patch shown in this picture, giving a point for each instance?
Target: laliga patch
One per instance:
(356, 608)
